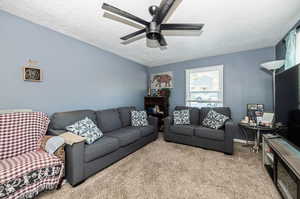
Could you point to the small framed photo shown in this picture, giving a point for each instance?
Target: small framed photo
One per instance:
(255, 111)
(33, 74)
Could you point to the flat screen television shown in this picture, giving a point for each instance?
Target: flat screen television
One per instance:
(288, 102)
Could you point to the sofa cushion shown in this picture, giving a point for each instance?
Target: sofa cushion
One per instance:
(86, 128)
(101, 147)
(194, 114)
(144, 130)
(183, 129)
(60, 120)
(223, 110)
(209, 133)
(109, 120)
(125, 135)
(124, 113)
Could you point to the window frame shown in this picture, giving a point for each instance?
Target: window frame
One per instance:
(219, 68)
(298, 47)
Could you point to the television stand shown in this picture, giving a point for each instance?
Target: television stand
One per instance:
(282, 161)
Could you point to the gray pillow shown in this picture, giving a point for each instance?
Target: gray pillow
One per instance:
(87, 129)
(182, 117)
(139, 118)
(214, 120)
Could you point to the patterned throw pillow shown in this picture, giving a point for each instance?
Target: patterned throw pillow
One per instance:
(214, 120)
(139, 118)
(182, 117)
(87, 129)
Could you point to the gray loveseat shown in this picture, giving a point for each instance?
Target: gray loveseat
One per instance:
(119, 140)
(196, 135)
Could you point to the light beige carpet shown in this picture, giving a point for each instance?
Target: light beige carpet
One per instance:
(163, 170)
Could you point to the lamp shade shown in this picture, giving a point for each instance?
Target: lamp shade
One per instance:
(273, 65)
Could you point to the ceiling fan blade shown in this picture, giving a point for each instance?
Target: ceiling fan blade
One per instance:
(163, 11)
(162, 41)
(122, 13)
(181, 26)
(133, 34)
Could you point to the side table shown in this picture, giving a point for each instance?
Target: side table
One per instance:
(246, 128)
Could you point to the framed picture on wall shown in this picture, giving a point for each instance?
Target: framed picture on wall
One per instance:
(33, 74)
(162, 80)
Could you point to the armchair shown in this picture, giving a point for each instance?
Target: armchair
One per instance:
(25, 168)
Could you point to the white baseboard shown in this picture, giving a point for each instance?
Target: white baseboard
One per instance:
(243, 141)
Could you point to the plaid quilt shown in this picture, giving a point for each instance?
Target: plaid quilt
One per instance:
(27, 175)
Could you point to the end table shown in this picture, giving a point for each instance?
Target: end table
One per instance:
(246, 128)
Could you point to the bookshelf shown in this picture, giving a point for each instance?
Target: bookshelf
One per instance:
(157, 107)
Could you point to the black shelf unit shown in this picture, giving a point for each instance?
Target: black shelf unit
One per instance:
(162, 102)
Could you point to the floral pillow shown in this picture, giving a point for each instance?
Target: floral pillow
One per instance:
(87, 129)
(214, 120)
(182, 117)
(139, 118)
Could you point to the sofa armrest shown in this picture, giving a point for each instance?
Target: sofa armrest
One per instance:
(75, 163)
(74, 158)
(167, 124)
(154, 122)
(229, 135)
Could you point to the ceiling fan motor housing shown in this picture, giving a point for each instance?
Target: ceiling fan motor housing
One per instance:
(153, 10)
(153, 31)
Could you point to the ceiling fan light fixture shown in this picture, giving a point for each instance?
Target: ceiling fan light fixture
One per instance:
(152, 43)
(154, 27)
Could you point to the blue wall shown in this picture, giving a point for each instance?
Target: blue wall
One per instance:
(76, 75)
(244, 80)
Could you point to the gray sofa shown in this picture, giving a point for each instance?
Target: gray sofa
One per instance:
(119, 140)
(196, 135)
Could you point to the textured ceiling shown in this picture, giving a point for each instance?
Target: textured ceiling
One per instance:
(230, 25)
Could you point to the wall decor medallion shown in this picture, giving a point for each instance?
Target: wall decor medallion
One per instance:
(31, 72)
(162, 80)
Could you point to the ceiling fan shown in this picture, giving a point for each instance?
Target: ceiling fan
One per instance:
(153, 28)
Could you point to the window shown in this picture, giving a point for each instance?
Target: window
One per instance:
(204, 87)
(298, 48)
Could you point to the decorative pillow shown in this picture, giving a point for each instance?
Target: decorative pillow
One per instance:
(139, 118)
(214, 120)
(87, 129)
(182, 117)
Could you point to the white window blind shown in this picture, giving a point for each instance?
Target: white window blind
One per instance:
(204, 87)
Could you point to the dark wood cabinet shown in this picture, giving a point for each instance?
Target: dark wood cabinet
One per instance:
(151, 104)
